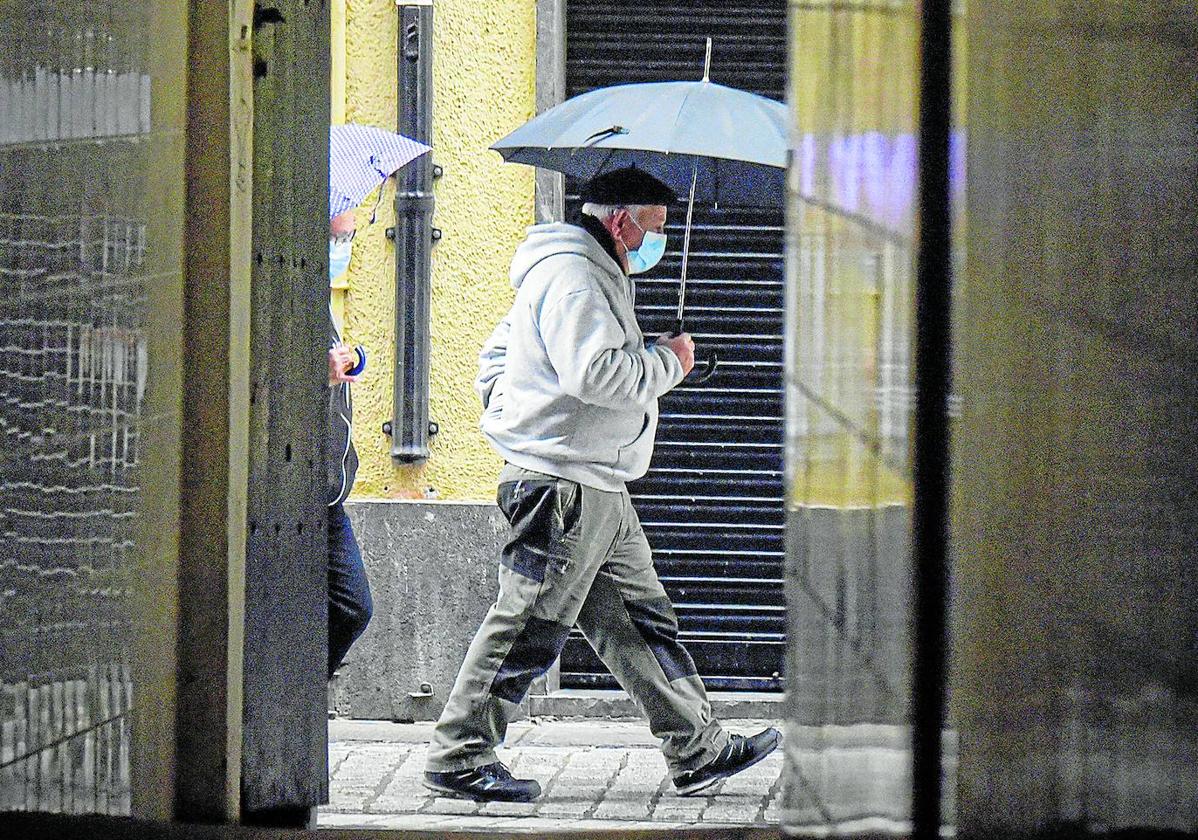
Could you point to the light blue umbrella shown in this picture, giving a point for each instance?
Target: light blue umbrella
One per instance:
(713, 143)
(361, 157)
(730, 143)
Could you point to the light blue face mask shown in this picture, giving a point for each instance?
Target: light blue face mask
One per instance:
(339, 254)
(653, 248)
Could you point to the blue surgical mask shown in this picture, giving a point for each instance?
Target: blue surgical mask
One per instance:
(649, 254)
(339, 254)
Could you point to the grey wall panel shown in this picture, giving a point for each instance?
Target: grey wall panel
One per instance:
(433, 569)
(849, 596)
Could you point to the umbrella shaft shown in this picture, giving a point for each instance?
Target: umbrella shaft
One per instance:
(686, 245)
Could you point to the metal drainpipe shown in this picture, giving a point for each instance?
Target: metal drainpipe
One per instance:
(414, 235)
(551, 90)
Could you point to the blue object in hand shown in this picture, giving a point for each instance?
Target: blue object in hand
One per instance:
(361, 365)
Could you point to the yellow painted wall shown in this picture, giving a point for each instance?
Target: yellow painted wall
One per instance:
(484, 68)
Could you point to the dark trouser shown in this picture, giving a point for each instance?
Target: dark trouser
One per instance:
(350, 606)
(575, 554)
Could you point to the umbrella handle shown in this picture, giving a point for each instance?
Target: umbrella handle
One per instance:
(361, 365)
(709, 361)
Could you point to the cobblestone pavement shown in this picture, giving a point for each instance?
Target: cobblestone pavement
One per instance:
(595, 775)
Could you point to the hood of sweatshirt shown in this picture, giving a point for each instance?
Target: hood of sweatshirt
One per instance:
(554, 239)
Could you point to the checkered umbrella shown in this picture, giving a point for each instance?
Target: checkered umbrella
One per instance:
(361, 157)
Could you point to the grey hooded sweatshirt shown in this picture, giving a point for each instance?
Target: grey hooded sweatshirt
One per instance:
(568, 386)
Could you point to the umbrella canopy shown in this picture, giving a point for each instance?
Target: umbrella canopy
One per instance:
(361, 157)
(730, 143)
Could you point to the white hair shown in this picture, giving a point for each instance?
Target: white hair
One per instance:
(603, 212)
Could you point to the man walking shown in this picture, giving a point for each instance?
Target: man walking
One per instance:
(570, 393)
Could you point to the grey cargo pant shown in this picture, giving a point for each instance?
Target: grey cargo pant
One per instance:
(575, 554)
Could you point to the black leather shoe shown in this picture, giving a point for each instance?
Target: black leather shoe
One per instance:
(740, 753)
(489, 783)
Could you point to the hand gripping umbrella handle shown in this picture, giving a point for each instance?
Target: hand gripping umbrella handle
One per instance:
(361, 364)
(709, 360)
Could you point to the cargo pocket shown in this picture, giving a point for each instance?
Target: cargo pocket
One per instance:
(534, 509)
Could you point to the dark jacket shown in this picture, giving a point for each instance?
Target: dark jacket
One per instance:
(342, 457)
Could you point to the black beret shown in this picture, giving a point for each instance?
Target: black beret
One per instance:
(626, 186)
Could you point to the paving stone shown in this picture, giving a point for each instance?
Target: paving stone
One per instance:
(645, 760)
(444, 805)
(636, 779)
(652, 825)
(584, 776)
(764, 776)
(521, 824)
(631, 792)
(680, 809)
(587, 770)
(622, 810)
(576, 790)
(338, 752)
(731, 812)
(331, 819)
(395, 805)
(568, 809)
(352, 802)
(509, 809)
(357, 768)
(747, 787)
(344, 730)
(423, 822)
(539, 758)
(411, 768)
(410, 789)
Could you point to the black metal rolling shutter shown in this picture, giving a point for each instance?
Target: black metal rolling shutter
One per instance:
(712, 502)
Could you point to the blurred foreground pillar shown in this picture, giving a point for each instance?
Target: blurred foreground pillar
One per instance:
(1077, 618)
